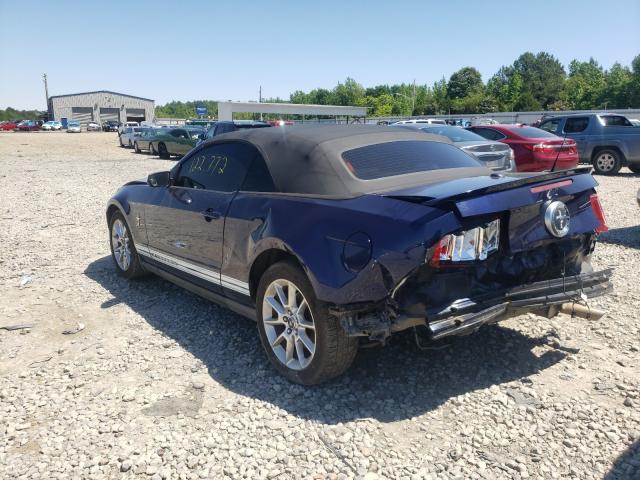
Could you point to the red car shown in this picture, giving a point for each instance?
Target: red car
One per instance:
(8, 125)
(535, 150)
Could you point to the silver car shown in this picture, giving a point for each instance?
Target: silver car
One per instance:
(74, 127)
(495, 155)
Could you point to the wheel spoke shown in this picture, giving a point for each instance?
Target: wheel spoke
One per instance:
(292, 291)
(289, 351)
(273, 321)
(277, 306)
(282, 298)
(300, 353)
(279, 339)
(304, 338)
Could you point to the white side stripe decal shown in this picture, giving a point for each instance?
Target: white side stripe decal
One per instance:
(207, 274)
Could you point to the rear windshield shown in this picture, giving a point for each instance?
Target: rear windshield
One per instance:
(455, 134)
(398, 158)
(532, 132)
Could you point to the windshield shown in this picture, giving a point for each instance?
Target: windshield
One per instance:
(403, 157)
(74, 124)
(455, 134)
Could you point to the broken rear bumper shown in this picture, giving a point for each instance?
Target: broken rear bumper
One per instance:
(467, 315)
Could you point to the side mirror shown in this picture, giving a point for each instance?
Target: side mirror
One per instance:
(159, 179)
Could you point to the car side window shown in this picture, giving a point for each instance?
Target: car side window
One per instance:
(489, 133)
(576, 125)
(615, 121)
(550, 126)
(221, 167)
(258, 177)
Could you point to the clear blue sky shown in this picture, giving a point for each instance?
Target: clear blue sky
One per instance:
(185, 50)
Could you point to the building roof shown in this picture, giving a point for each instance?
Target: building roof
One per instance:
(101, 91)
(307, 159)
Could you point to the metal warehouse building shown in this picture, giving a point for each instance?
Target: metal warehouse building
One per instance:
(100, 107)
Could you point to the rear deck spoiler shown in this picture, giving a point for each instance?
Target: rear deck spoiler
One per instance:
(529, 180)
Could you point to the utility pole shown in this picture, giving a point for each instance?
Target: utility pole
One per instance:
(46, 93)
(413, 103)
(260, 100)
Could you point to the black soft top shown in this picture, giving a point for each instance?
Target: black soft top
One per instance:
(307, 159)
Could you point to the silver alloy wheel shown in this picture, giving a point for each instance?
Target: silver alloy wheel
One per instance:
(120, 244)
(606, 162)
(288, 324)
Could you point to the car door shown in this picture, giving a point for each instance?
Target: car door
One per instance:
(577, 129)
(185, 223)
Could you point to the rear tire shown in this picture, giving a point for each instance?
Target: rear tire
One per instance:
(607, 162)
(136, 147)
(634, 168)
(123, 251)
(163, 152)
(288, 332)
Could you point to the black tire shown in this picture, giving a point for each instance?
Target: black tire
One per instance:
(137, 148)
(152, 151)
(634, 168)
(130, 144)
(134, 268)
(163, 152)
(334, 351)
(607, 162)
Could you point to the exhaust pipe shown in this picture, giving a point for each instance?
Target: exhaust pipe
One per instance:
(582, 311)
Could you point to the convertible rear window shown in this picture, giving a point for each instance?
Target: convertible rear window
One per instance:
(402, 157)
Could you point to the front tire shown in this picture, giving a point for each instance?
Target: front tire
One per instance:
(123, 251)
(163, 152)
(607, 162)
(302, 340)
(136, 147)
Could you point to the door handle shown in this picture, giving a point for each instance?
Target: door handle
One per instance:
(210, 214)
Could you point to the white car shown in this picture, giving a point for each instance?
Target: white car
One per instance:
(126, 125)
(129, 135)
(74, 127)
(635, 122)
(52, 125)
(93, 127)
(413, 121)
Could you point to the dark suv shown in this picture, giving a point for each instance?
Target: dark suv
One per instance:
(607, 140)
(227, 126)
(110, 126)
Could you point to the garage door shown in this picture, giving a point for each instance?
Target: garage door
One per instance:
(107, 114)
(83, 114)
(135, 115)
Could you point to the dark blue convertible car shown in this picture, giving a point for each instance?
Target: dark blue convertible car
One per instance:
(331, 236)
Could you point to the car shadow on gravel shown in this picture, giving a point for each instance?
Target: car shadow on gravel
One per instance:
(625, 236)
(393, 383)
(627, 465)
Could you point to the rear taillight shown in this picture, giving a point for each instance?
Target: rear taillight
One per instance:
(555, 147)
(467, 246)
(599, 213)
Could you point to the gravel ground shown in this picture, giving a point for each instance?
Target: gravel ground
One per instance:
(161, 384)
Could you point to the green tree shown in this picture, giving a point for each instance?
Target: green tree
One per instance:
(526, 102)
(349, 93)
(585, 86)
(617, 92)
(542, 75)
(464, 82)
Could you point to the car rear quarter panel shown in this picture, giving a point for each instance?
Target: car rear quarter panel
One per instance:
(315, 232)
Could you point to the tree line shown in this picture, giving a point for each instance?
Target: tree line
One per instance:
(532, 82)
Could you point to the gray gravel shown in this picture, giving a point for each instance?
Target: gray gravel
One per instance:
(160, 384)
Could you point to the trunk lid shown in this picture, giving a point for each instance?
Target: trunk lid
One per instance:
(520, 202)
